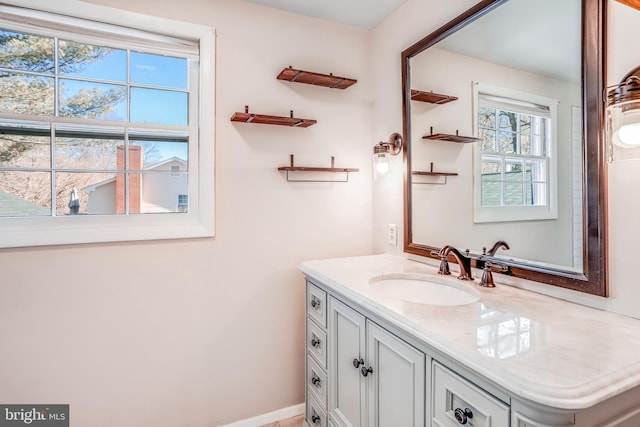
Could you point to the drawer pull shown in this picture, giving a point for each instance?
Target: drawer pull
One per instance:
(366, 371)
(315, 380)
(463, 414)
(357, 363)
(315, 342)
(315, 419)
(315, 303)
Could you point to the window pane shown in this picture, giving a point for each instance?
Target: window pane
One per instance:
(26, 94)
(525, 124)
(513, 171)
(26, 52)
(488, 140)
(102, 195)
(487, 117)
(162, 190)
(525, 144)
(538, 194)
(507, 142)
(86, 153)
(89, 100)
(24, 194)
(513, 193)
(24, 151)
(156, 153)
(96, 62)
(508, 121)
(73, 190)
(538, 170)
(491, 193)
(157, 70)
(159, 106)
(491, 171)
(538, 145)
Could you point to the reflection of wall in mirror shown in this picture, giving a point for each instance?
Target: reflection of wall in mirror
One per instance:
(549, 241)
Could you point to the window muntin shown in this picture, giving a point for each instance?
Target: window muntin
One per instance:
(191, 43)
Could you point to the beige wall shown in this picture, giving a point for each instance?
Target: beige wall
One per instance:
(417, 19)
(196, 333)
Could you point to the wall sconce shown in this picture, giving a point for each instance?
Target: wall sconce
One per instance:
(623, 118)
(382, 153)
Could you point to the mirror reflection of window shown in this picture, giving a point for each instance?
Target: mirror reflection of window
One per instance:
(514, 157)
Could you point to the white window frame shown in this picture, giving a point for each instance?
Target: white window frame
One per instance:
(482, 214)
(199, 221)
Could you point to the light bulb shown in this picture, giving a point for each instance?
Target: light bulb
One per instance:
(382, 163)
(628, 135)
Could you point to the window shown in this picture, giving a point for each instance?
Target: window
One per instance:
(99, 126)
(514, 160)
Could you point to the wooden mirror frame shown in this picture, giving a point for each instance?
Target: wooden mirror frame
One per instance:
(593, 278)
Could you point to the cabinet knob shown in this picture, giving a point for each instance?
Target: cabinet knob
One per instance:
(315, 419)
(366, 371)
(462, 415)
(315, 303)
(357, 363)
(315, 380)
(315, 341)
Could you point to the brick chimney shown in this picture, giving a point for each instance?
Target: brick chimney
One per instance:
(135, 180)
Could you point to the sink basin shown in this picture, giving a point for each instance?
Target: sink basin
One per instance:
(423, 289)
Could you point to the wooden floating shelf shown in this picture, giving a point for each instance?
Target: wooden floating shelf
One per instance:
(431, 172)
(451, 138)
(263, 119)
(434, 173)
(315, 169)
(332, 169)
(430, 97)
(316, 79)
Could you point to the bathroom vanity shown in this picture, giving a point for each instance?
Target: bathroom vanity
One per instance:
(382, 352)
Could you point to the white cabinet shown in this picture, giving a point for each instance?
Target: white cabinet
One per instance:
(369, 365)
(375, 378)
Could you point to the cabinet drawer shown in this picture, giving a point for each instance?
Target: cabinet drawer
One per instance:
(316, 415)
(317, 381)
(317, 343)
(317, 304)
(457, 402)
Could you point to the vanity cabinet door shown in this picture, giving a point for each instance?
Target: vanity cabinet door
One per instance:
(396, 385)
(346, 330)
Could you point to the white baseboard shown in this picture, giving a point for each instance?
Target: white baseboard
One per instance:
(271, 417)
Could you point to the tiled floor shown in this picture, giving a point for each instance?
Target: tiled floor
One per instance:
(289, 422)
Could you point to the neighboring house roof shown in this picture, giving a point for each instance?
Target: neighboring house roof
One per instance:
(90, 188)
(12, 205)
(95, 186)
(164, 162)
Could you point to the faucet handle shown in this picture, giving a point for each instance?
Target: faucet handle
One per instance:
(444, 262)
(496, 266)
(487, 276)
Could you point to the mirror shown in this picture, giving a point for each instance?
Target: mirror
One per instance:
(503, 124)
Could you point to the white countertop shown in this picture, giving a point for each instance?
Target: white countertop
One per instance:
(540, 348)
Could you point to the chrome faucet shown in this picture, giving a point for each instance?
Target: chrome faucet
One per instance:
(464, 261)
